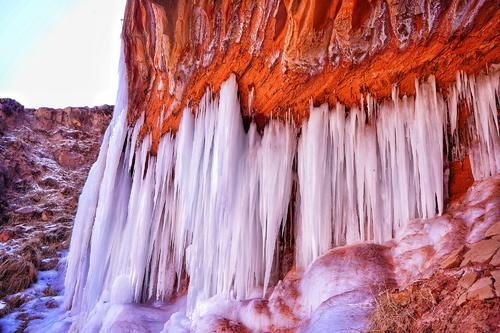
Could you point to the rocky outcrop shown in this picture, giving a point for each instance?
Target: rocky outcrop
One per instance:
(45, 156)
(462, 293)
(46, 152)
(286, 52)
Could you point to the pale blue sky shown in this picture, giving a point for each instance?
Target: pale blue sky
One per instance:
(60, 52)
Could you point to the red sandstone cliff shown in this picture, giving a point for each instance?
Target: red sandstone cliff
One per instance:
(286, 52)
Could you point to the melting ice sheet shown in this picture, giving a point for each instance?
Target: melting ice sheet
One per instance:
(213, 203)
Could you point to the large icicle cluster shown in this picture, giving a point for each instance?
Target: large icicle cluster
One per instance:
(232, 192)
(211, 204)
(479, 97)
(217, 220)
(363, 175)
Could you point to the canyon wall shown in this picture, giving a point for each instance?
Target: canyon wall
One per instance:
(286, 53)
(45, 157)
(251, 137)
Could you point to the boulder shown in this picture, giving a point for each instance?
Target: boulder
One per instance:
(481, 252)
(462, 299)
(468, 279)
(481, 290)
(69, 159)
(453, 259)
(494, 230)
(495, 261)
(6, 235)
(496, 277)
(28, 210)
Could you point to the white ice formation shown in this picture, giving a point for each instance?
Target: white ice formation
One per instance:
(214, 202)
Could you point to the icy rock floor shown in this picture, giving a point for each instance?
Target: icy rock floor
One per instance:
(335, 294)
(41, 308)
(47, 314)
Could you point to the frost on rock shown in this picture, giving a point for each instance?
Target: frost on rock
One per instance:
(213, 204)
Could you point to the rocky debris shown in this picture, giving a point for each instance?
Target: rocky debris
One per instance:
(440, 304)
(462, 292)
(45, 157)
(468, 279)
(482, 289)
(481, 252)
(478, 284)
(453, 259)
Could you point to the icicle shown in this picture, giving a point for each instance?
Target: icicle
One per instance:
(92, 202)
(212, 202)
(275, 169)
(161, 266)
(314, 232)
(484, 150)
(233, 191)
(364, 176)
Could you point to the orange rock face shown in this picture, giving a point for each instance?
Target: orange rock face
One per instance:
(287, 52)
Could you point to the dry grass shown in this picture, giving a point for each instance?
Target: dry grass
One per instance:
(15, 301)
(397, 312)
(48, 264)
(49, 291)
(51, 304)
(12, 302)
(30, 251)
(19, 271)
(56, 236)
(16, 274)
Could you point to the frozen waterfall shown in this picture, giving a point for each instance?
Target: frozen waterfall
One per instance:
(214, 202)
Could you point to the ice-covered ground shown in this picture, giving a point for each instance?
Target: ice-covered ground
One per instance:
(43, 306)
(336, 293)
(46, 313)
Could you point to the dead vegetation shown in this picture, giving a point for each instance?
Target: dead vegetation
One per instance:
(49, 291)
(20, 269)
(431, 305)
(56, 236)
(30, 251)
(396, 312)
(16, 274)
(13, 302)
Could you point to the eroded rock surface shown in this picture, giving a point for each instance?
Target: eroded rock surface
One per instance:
(45, 158)
(462, 294)
(287, 52)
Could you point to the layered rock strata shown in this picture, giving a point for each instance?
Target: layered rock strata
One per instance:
(286, 53)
